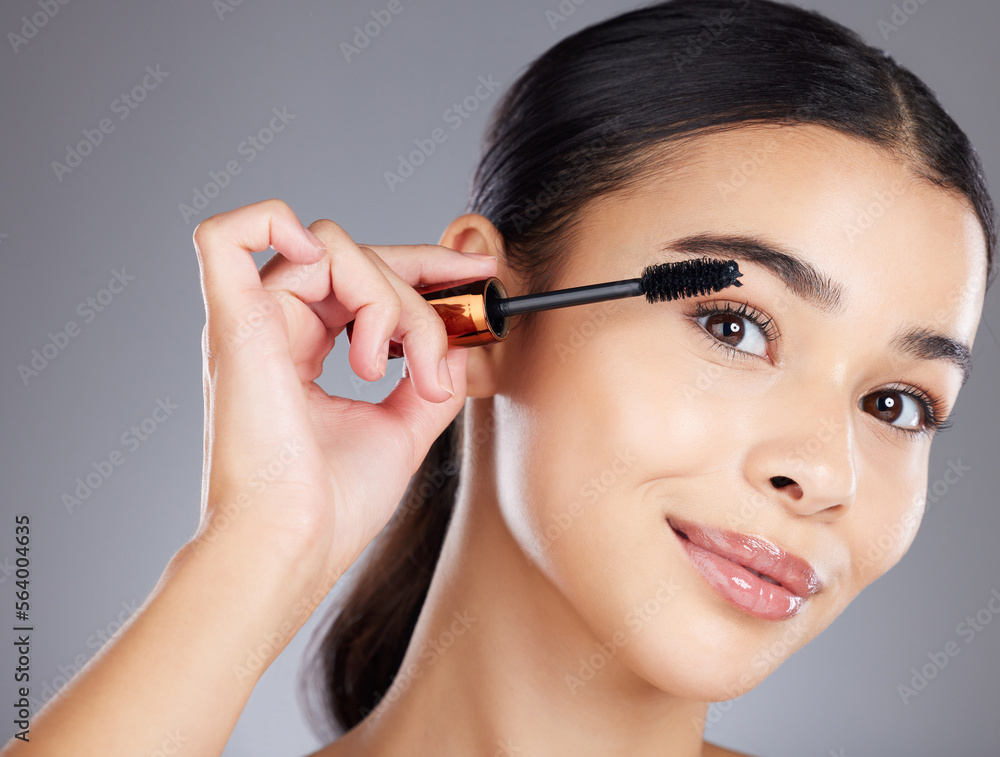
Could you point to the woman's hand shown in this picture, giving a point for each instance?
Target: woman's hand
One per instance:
(288, 467)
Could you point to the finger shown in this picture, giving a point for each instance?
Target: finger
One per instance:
(422, 264)
(249, 379)
(417, 265)
(353, 286)
(309, 340)
(426, 420)
(423, 335)
(207, 392)
(229, 276)
(382, 305)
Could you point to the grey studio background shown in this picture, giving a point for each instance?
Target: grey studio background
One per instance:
(106, 244)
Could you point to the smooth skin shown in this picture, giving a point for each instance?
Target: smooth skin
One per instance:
(552, 564)
(517, 609)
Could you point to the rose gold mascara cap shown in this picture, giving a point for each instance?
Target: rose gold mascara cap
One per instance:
(469, 309)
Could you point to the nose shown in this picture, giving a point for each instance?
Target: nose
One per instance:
(809, 470)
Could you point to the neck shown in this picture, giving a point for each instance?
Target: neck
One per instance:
(501, 664)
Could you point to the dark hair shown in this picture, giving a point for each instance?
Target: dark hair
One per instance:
(591, 116)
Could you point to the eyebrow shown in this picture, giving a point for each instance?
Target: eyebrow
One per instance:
(817, 289)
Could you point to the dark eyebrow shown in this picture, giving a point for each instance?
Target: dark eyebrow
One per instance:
(819, 290)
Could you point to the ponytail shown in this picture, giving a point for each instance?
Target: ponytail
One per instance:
(359, 655)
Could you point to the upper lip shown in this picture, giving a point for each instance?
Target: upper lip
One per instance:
(755, 553)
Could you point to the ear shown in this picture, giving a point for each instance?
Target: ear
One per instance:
(475, 233)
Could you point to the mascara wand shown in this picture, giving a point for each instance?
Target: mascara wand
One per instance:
(479, 312)
(665, 281)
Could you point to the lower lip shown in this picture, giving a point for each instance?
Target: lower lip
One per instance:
(746, 590)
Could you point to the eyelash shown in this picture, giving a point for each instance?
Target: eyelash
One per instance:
(932, 408)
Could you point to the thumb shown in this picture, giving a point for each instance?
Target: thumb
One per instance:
(425, 419)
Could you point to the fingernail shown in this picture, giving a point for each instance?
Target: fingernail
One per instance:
(478, 256)
(317, 242)
(380, 359)
(444, 377)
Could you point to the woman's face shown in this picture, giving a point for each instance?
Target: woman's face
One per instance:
(648, 454)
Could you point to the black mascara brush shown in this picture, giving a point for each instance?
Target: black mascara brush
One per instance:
(479, 312)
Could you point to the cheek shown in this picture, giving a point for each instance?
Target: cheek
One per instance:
(563, 460)
(691, 412)
(885, 519)
(593, 416)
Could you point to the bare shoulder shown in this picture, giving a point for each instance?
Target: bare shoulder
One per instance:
(711, 750)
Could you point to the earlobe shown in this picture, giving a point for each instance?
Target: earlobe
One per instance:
(473, 232)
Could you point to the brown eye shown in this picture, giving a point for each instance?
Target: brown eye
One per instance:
(739, 332)
(891, 406)
(725, 328)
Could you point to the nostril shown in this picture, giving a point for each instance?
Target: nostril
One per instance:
(780, 482)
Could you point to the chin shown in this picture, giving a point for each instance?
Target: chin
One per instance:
(708, 652)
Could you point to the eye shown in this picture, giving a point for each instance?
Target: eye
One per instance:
(915, 410)
(744, 332)
(738, 329)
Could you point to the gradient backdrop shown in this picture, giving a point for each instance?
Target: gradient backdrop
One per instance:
(209, 76)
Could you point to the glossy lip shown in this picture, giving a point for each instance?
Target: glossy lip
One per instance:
(728, 561)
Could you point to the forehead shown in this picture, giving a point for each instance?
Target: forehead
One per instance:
(897, 243)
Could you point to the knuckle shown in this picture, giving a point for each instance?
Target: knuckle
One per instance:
(203, 234)
(325, 225)
(431, 327)
(276, 206)
(393, 302)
